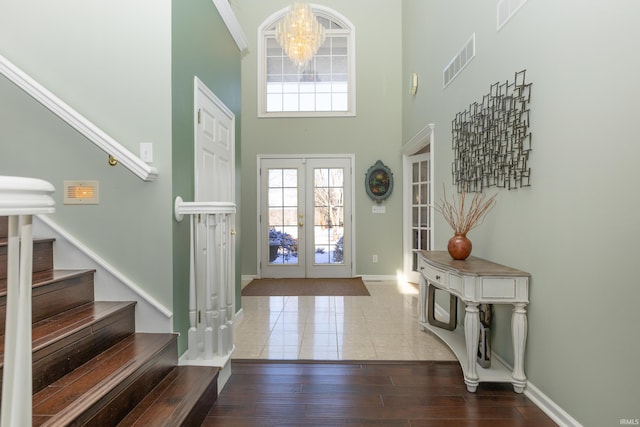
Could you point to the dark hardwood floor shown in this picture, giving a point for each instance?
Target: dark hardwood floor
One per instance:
(415, 394)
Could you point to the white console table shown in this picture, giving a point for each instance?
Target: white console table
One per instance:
(476, 281)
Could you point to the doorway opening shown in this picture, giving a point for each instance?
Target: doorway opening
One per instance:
(418, 207)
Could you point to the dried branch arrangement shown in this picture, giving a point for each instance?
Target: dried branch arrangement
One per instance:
(464, 216)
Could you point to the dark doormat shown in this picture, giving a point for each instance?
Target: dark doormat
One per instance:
(351, 286)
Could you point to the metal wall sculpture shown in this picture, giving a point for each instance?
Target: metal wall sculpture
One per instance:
(492, 141)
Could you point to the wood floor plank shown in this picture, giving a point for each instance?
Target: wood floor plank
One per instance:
(348, 394)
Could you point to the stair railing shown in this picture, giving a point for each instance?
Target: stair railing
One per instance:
(20, 199)
(93, 133)
(211, 279)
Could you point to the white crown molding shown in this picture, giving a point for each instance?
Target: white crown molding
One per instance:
(231, 20)
(76, 120)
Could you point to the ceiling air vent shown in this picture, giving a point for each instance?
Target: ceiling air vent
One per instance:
(80, 193)
(457, 64)
(506, 10)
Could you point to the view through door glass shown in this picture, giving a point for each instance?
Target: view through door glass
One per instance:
(306, 204)
(286, 220)
(328, 215)
(420, 205)
(283, 218)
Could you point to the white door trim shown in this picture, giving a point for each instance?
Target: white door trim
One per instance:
(424, 138)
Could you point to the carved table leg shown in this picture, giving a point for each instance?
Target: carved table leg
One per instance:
(519, 336)
(471, 334)
(422, 301)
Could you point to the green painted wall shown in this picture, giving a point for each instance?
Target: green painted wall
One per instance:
(129, 68)
(203, 47)
(575, 229)
(375, 134)
(111, 62)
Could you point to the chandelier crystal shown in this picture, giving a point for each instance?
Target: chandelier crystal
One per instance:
(300, 34)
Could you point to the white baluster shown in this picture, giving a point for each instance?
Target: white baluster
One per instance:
(210, 340)
(230, 281)
(193, 309)
(221, 285)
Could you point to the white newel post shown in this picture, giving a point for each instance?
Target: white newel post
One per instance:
(20, 199)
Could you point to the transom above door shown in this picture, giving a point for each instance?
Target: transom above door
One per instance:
(305, 217)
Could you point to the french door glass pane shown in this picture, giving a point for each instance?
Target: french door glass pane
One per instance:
(421, 204)
(283, 216)
(328, 215)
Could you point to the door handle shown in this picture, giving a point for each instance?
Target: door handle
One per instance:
(300, 224)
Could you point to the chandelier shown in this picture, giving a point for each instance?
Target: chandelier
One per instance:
(300, 34)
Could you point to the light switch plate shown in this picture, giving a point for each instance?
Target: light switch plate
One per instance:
(146, 152)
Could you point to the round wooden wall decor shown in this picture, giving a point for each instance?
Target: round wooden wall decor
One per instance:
(378, 182)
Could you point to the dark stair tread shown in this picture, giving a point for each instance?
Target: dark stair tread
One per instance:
(74, 321)
(42, 255)
(182, 398)
(88, 389)
(43, 278)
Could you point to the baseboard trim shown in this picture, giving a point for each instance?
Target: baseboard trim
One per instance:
(246, 278)
(379, 278)
(544, 402)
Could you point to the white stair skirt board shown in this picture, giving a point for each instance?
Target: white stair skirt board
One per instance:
(109, 283)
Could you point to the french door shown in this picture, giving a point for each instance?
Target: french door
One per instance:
(305, 217)
(421, 210)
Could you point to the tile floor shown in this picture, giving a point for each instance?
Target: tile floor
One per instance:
(382, 326)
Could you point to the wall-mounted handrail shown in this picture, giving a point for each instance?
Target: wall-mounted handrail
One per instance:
(20, 199)
(76, 120)
(211, 279)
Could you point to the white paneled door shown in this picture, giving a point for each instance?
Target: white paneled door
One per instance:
(306, 217)
(214, 150)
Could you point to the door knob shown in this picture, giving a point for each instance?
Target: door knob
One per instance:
(300, 224)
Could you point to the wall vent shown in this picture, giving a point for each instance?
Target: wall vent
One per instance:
(506, 10)
(457, 64)
(80, 193)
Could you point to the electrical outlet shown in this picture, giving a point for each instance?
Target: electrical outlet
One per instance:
(374, 258)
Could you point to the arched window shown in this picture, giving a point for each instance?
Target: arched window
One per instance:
(324, 87)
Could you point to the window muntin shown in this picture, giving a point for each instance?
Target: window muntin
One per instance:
(324, 87)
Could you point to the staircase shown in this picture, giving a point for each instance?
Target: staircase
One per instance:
(90, 367)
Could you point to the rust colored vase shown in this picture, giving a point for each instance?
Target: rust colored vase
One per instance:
(459, 246)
